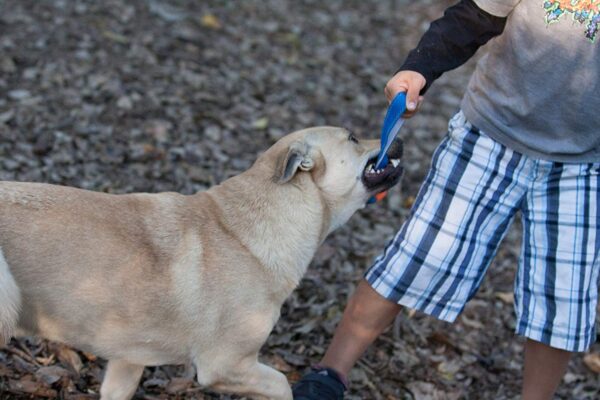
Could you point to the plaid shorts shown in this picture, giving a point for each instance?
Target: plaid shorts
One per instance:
(471, 195)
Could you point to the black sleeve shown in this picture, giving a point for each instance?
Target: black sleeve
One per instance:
(451, 40)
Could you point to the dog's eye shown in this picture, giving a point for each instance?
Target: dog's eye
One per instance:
(352, 138)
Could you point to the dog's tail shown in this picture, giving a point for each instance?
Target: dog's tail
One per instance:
(10, 302)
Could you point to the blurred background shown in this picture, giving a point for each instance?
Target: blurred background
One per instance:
(148, 95)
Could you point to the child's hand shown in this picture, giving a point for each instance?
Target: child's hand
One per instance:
(410, 82)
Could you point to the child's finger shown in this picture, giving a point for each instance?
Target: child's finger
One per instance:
(394, 87)
(412, 97)
(409, 114)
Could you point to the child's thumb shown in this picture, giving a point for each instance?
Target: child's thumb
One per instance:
(412, 97)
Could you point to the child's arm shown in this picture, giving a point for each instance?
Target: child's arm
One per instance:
(448, 43)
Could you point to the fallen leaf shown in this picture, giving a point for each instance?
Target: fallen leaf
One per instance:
(505, 297)
(277, 362)
(293, 376)
(592, 361)
(51, 374)
(70, 358)
(210, 21)
(30, 386)
(448, 369)
(408, 201)
(177, 385)
(115, 37)
(90, 356)
(45, 361)
(427, 391)
(471, 322)
(155, 382)
(261, 123)
(166, 11)
(5, 371)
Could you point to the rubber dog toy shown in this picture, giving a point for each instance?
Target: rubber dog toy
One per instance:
(391, 126)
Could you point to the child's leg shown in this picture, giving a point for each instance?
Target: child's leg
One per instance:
(544, 369)
(365, 317)
(557, 282)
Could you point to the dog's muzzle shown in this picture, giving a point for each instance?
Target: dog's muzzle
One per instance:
(377, 180)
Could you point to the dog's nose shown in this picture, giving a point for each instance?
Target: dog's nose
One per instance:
(396, 150)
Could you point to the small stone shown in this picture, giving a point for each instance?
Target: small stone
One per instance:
(166, 11)
(30, 73)
(187, 31)
(125, 103)
(159, 129)
(194, 79)
(213, 133)
(7, 65)
(19, 94)
(51, 374)
(10, 165)
(115, 37)
(44, 143)
(261, 123)
(276, 133)
(6, 116)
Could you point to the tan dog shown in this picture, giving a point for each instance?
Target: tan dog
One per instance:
(151, 279)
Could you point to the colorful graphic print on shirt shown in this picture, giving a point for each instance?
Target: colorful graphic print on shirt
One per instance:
(583, 11)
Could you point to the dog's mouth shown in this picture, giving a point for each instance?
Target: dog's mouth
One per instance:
(378, 180)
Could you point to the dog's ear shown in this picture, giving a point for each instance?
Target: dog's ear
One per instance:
(297, 158)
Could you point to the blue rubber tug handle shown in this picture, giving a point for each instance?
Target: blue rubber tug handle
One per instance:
(391, 126)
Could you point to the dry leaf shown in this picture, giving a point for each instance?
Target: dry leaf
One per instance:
(505, 297)
(51, 374)
(408, 201)
(210, 21)
(471, 322)
(449, 368)
(427, 391)
(277, 362)
(261, 123)
(592, 361)
(70, 358)
(115, 37)
(89, 356)
(45, 361)
(29, 386)
(177, 385)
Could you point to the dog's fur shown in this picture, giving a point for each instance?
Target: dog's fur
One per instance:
(150, 279)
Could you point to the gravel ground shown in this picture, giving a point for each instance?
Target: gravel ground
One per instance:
(122, 96)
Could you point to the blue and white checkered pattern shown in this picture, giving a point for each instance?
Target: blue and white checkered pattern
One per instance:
(471, 195)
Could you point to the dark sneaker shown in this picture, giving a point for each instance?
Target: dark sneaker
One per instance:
(320, 384)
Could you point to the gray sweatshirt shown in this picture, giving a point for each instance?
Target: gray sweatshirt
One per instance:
(537, 90)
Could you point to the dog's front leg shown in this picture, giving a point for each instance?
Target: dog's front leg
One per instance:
(253, 379)
(121, 380)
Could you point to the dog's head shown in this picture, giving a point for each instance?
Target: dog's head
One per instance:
(339, 165)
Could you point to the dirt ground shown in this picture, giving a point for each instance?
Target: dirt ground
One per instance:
(150, 95)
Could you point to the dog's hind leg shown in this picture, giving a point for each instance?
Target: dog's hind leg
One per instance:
(10, 302)
(251, 378)
(121, 380)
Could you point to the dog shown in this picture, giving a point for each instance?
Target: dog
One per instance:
(150, 279)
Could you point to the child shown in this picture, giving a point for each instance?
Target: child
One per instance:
(527, 139)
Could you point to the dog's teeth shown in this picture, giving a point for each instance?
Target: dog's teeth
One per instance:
(395, 162)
